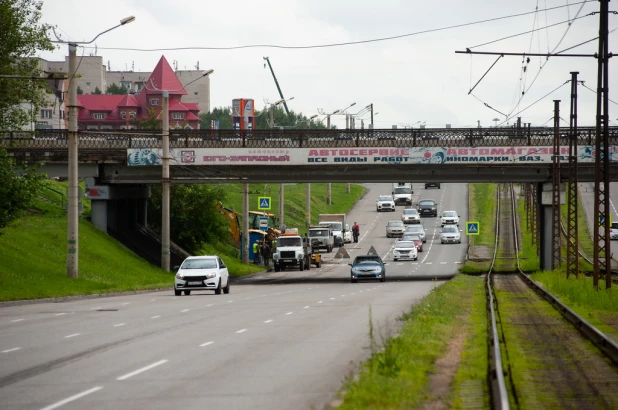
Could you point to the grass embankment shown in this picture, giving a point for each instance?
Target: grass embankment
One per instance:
(295, 200)
(407, 373)
(483, 210)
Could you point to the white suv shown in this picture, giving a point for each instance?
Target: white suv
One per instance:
(385, 203)
(613, 231)
(449, 218)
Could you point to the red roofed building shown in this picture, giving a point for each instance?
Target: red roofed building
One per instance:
(118, 112)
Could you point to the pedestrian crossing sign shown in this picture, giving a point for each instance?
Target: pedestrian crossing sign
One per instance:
(264, 203)
(472, 228)
(602, 220)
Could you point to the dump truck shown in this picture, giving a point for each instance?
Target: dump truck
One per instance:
(337, 224)
(321, 237)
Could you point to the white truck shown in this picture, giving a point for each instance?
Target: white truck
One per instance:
(402, 193)
(321, 237)
(337, 224)
(293, 250)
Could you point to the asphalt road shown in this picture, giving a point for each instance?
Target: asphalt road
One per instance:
(586, 192)
(278, 341)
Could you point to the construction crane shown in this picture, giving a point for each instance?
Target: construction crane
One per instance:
(287, 111)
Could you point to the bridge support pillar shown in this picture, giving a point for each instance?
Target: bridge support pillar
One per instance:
(546, 223)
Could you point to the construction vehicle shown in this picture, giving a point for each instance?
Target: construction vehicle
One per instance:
(233, 219)
(337, 224)
(321, 237)
(292, 250)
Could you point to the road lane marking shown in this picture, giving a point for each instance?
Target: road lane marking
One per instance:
(229, 301)
(428, 263)
(320, 301)
(72, 398)
(155, 317)
(442, 263)
(73, 335)
(306, 307)
(206, 344)
(209, 305)
(332, 298)
(96, 308)
(119, 324)
(268, 321)
(60, 314)
(127, 303)
(241, 331)
(11, 350)
(142, 370)
(183, 311)
(152, 300)
(17, 320)
(289, 313)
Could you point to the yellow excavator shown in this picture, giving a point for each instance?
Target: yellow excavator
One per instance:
(233, 219)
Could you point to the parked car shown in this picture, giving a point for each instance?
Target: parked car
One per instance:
(613, 231)
(367, 267)
(385, 203)
(414, 238)
(405, 250)
(450, 234)
(449, 217)
(427, 207)
(410, 216)
(416, 230)
(394, 228)
(201, 273)
(432, 184)
(347, 235)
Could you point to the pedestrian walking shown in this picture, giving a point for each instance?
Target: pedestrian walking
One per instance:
(266, 253)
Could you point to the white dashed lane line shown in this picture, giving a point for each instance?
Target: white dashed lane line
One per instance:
(119, 324)
(306, 307)
(155, 317)
(289, 313)
(241, 331)
(73, 335)
(183, 311)
(142, 370)
(72, 398)
(206, 344)
(268, 321)
(60, 314)
(17, 320)
(11, 350)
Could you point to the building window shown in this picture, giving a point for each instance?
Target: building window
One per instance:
(99, 115)
(154, 101)
(123, 115)
(139, 86)
(178, 115)
(88, 83)
(92, 127)
(126, 84)
(46, 113)
(131, 114)
(106, 127)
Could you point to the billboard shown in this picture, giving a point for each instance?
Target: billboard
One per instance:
(243, 114)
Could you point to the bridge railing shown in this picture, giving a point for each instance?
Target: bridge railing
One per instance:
(260, 139)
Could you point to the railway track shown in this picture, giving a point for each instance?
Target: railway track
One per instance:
(542, 354)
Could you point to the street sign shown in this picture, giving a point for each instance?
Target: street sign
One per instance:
(263, 223)
(602, 220)
(472, 228)
(264, 203)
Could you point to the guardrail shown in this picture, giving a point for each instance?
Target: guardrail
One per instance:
(431, 137)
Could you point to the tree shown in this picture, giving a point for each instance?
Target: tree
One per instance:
(262, 118)
(19, 188)
(114, 89)
(194, 218)
(79, 90)
(223, 115)
(21, 37)
(97, 91)
(150, 122)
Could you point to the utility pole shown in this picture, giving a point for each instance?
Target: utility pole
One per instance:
(165, 185)
(287, 111)
(555, 203)
(308, 206)
(245, 223)
(281, 205)
(73, 204)
(572, 234)
(371, 114)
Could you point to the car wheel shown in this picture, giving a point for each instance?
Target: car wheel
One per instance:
(383, 279)
(353, 280)
(329, 249)
(187, 292)
(277, 268)
(317, 265)
(226, 289)
(441, 241)
(177, 292)
(301, 266)
(308, 266)
(395, 259)
(218, 290)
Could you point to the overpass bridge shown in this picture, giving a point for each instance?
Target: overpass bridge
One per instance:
(220, 156)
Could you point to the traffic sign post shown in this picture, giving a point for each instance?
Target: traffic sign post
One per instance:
(602, 220)
(263, 223)
(264, 203)
(472, 228)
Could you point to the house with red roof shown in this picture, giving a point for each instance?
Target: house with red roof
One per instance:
(120, 112)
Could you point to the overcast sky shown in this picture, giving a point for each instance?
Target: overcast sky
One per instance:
(409, 80)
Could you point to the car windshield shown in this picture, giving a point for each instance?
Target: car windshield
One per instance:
(335, 226)
(410, 212)
(318, 232)
(282, 241)
(405, 244)
(614, 225)
(426, 202)
(403, 190)
(365, 258)
(371, 264)
(449, 229)
(395, 223)
(385, 198)
(201, 263)
(449, 213)
(415, 229)
(411, 238)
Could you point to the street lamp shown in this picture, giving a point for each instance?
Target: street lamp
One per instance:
(73, 180)
(165, 164)
(272, 110)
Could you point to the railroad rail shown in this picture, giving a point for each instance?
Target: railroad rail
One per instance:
(504, 392)
(305, 138)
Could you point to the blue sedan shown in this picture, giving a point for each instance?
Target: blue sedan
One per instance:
(367, 270)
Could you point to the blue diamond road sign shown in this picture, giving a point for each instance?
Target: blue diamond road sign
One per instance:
(264, 203)
(472, 228)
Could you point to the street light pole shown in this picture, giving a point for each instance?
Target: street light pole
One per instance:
(73, 166)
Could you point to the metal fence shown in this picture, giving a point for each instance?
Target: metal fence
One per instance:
(447, 137)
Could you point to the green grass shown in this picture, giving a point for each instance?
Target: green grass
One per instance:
(482, 210)
(528, 259)
(397, 376)
(295, 199)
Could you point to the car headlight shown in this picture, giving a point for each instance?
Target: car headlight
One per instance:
(211, 275)
(299, 256)
(180, 276)
(276, 257)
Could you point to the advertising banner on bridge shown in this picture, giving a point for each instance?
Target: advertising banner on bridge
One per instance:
(369, 155)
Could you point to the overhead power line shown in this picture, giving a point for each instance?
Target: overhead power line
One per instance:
(347, 43)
